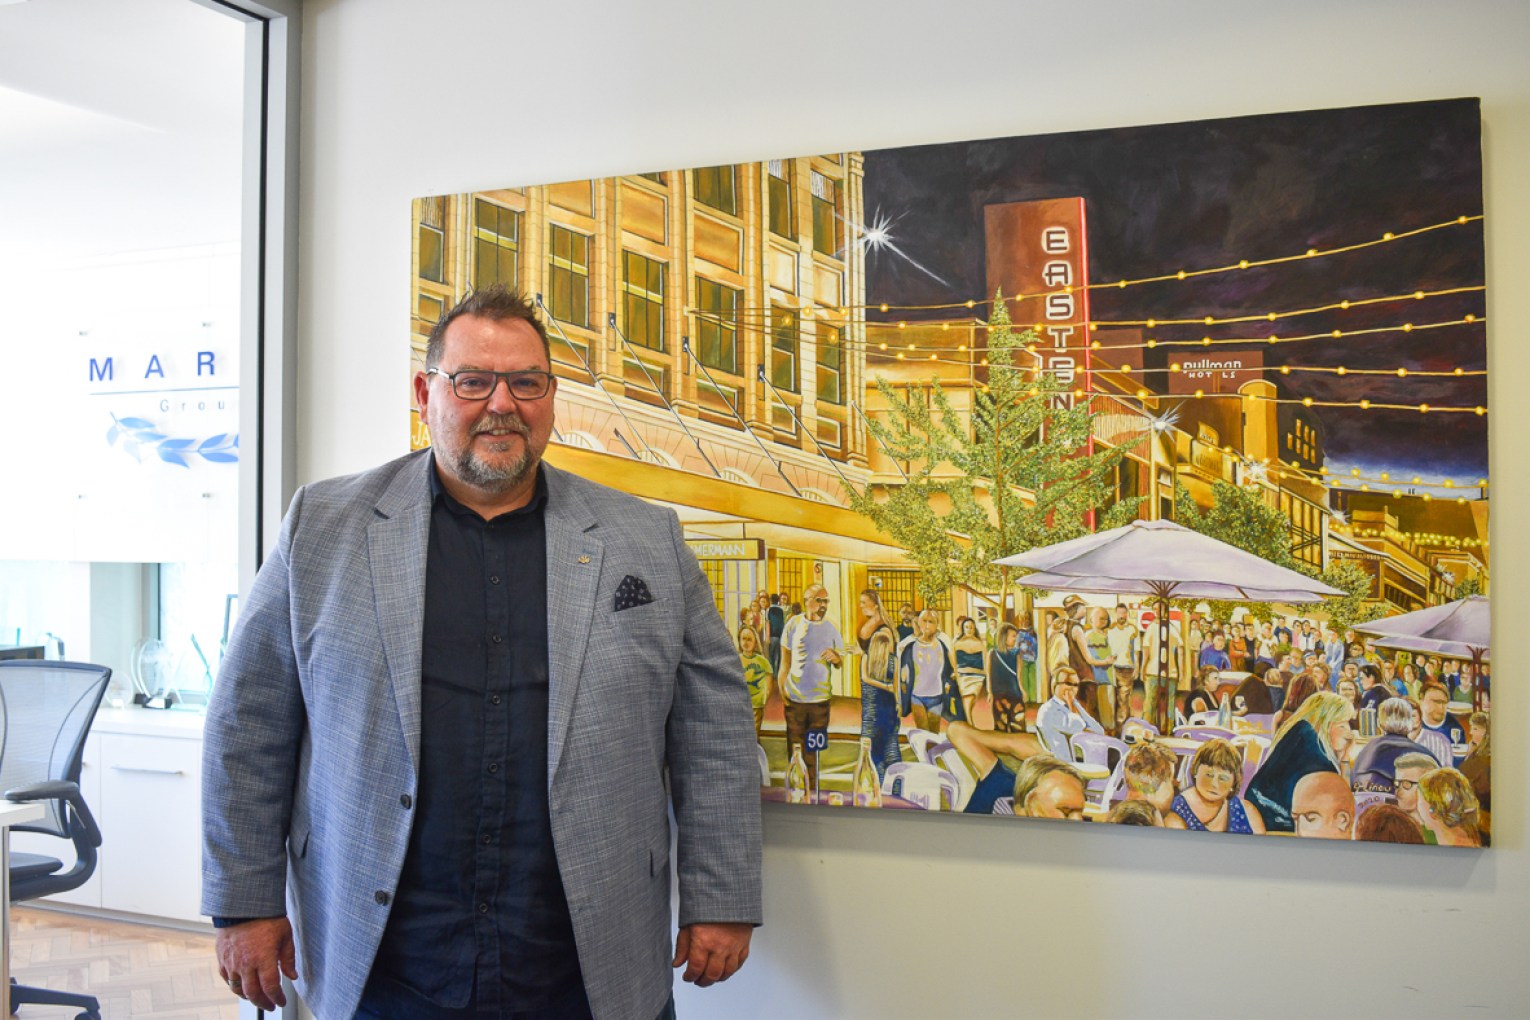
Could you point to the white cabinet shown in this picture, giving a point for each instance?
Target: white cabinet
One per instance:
(151, 860)
(142, 777)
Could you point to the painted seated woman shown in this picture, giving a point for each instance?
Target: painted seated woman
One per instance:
(1211, 803)
(1315, 739)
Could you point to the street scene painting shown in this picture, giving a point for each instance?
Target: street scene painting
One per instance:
(1133, 476)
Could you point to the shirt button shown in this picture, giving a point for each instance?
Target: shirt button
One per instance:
(494, 579)
(495, 638)
(483, 908)
(487, 839)
(381, 897)
(493, 767)
(407, 801)
(494, 699)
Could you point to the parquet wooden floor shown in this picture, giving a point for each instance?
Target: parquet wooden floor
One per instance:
(137, 971)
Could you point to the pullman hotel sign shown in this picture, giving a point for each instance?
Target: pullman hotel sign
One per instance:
(727, 548)
(1039, 250)
(1217, 373)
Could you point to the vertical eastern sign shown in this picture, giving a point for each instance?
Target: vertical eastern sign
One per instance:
(1038, 259)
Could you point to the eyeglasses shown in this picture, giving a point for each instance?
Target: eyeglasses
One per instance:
(1405, 784)
(820, 598)
(473, 384)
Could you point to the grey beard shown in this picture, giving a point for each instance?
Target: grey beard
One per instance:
(493, 479)
(501, 479)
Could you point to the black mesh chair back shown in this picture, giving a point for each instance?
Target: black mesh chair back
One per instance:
(46, 709)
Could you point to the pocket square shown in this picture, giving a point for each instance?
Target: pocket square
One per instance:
(633, 591)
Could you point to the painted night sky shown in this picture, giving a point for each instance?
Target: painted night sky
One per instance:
(1189, 196)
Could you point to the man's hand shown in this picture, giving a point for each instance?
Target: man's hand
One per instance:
(250, 954)
(711, 952)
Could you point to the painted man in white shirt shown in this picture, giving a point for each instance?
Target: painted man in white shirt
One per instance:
(810, 648)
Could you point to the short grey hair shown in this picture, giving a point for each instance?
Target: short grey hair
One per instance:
(1395, 715)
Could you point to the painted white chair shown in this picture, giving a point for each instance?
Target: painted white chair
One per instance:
(928, 787)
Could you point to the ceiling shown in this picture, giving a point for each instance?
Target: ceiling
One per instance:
(120, 128)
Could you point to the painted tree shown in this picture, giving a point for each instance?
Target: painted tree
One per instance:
(1241, 517)
(1013, 474)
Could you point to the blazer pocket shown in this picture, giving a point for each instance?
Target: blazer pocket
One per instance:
(637, 612)
(658, 860)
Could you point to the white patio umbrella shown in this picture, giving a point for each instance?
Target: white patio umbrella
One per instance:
(1166, 561)
(1457, 630)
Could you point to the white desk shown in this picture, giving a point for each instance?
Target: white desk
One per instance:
(10, 814)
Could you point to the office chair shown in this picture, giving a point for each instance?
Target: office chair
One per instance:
(46, 709)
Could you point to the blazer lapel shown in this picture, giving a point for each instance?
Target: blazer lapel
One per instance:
(397, 544)
(573, 574)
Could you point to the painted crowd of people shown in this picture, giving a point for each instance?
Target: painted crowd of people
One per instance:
(1288, 726)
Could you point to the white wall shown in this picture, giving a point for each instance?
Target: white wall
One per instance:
(932, 916)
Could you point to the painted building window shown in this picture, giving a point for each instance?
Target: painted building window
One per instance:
(825, 215)
(432, 243)
(643, 300)
(830, 364)
(568, 276)
(715, 188)
(785, 348)
(779, 182)
(431, 234)
(496, 244)
(717, 325)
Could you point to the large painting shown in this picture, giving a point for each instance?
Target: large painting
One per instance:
(1131, 476)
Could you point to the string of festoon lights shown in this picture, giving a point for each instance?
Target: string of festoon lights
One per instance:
(766, 322)
(1434, 538)
(901, 351)
(925, 354)
(1389, 237)
(744, 319)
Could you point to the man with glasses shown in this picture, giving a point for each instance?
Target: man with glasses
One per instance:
(449, 724)
(811, 647)
(1409, 769)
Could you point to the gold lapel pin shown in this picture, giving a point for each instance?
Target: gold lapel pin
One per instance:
(584, 559)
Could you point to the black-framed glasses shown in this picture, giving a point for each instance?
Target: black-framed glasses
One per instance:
(475, 384)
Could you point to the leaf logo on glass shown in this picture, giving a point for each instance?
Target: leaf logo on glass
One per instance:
(139, 436)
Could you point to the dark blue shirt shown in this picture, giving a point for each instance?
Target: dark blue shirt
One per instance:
(480, 926)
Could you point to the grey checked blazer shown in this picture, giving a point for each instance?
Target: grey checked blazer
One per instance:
(312, 737)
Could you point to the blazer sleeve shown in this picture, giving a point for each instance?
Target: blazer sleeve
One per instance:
(252, 740)
(713, 765)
